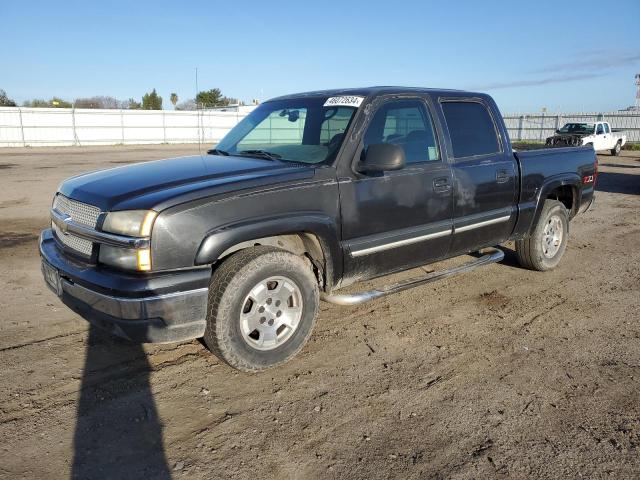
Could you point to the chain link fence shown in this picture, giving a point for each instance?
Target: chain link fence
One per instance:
(21, 127)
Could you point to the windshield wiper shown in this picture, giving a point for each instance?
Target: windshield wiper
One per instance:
(260, 154)
(215, 151)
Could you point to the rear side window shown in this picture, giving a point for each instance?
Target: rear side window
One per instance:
(606, 128)
(471, 129)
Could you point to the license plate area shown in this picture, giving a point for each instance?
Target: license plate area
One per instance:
(52, 278)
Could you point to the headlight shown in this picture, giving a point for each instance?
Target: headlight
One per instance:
(134, 223)
(126, 258)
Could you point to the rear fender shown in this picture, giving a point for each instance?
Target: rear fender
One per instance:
(529, 213)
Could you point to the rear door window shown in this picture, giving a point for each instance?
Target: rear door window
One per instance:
(606, 128)
(471, 129)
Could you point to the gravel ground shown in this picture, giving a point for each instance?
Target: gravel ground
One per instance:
(499, 373)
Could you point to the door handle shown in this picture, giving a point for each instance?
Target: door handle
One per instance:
(502, 176)
(441, 185)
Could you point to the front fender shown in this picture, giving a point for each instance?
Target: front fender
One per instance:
(323, 227)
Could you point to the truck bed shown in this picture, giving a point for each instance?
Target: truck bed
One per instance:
(539, 167)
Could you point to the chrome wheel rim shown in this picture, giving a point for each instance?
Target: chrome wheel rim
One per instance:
(618, 148)
(552, 236)
(271, 313)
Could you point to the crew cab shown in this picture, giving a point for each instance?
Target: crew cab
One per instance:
(307, 194)
(598, 135)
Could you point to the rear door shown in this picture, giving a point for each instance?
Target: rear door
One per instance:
(485, 175)
(402, 218)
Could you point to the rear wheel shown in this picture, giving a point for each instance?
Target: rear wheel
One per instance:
(615, 151)
(263, 304)
(546, 245)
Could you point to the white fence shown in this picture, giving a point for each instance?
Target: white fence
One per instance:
(539, 126)
(20, 127)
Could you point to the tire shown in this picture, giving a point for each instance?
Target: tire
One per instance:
(544, 248)
(615, 151)
(240, 299)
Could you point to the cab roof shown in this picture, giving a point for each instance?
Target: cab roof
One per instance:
(375, 91)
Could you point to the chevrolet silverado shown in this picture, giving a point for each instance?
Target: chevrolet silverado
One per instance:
(307, 194)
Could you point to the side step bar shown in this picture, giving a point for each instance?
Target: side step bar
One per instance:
(489, 255)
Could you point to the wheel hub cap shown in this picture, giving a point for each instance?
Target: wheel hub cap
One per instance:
(552, 236)
(271, 313)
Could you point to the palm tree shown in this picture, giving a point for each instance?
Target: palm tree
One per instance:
(174, 99)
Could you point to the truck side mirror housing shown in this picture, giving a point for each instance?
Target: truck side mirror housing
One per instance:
(557, 131)
(382, 157)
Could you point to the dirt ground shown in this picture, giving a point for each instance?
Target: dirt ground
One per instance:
(499, 373)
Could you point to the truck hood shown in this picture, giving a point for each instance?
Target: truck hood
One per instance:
(164, 183)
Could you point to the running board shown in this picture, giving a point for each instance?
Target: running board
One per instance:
(489, 256)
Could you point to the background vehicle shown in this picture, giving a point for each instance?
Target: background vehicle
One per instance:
(599, 135)
(308, 194)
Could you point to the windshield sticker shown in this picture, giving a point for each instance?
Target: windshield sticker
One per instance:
(347, 101)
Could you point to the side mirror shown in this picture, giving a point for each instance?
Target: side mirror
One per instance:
(557, 131)
(382, 157)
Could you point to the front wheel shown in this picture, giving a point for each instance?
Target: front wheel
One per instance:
(263, 304)
(546, 245)
(615, 151)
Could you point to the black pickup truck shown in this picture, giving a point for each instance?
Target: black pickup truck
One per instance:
(307, 194)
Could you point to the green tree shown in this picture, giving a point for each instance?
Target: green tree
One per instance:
(131, 104)
(174, 99)
(57, 102)
(209, 98)
(152, 101)
(36, 103)
(6, 101)
(213, 98)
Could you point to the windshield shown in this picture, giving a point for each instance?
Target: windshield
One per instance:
(577, 128)
(306, 130)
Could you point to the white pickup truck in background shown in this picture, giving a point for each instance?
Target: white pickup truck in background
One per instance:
(600, 135)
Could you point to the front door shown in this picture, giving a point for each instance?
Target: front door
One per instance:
(600, 141)
(484, 174)
(402, 218)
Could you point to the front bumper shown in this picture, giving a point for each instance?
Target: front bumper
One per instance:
(159, 308)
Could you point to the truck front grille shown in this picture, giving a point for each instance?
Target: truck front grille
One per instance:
(85, 247)
(79, 212)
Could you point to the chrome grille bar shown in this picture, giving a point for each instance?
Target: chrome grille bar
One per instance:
(68, 225)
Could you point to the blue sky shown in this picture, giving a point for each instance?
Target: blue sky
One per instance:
(529, 55)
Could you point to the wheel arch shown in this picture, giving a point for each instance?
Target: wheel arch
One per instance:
(565, 188)
(312, 236)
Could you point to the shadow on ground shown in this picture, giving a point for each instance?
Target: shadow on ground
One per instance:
(619, 165)
(618, 183)
(118, 432)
